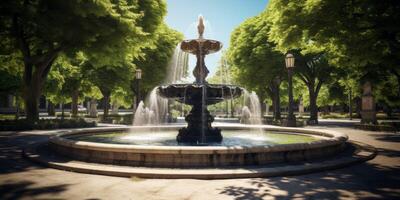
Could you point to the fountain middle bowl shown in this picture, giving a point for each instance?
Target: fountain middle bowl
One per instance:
(316, 144)
(193, 93)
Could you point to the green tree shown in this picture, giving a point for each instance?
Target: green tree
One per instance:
(108, 78)
(68, 82)
(313, 70)
(109, 31)
(57, 90)
(257, 65)
(359, 34)
(121, 96)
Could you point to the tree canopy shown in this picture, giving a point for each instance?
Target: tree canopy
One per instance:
(360, 35)
(108, 32)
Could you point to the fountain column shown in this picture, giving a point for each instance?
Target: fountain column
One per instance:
(199, 129)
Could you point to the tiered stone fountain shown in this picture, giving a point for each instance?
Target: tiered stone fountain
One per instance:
(200, 93)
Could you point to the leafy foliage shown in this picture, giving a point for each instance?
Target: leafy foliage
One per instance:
(256, 61)
(107, 32)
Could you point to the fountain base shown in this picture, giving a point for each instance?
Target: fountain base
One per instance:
(199, 128)
(211, 135)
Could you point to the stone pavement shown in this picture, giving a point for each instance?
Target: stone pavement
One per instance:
(376, 179)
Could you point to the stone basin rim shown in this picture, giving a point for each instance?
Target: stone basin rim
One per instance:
(333, 138)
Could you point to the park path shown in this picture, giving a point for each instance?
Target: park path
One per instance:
(376, 179)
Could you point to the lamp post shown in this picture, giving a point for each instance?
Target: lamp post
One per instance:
(289, 61)
(138, 77)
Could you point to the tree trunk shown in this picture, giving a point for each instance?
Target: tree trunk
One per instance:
(51, 109)
(276, 101)
(106, 104)
(33, 83)
(17, 107)
(36, 69)
(74, 103)
(261, 97)
(32, 95)
(313, 107)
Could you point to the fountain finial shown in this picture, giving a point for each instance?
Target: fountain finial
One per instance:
(200, 26)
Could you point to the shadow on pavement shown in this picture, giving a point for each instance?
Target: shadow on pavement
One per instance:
(26, 190)
(387, 137)
(11, 146)
(363, 181)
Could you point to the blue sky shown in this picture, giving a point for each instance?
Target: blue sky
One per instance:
(222, 17)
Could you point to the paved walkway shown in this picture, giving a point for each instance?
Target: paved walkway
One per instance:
(376, 179)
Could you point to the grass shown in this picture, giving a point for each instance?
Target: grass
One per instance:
(336, 116)
(7, 116)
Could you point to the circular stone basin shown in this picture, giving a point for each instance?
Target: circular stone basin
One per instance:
(249, 138)
(156, 147)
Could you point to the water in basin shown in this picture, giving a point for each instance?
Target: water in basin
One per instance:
(168, 138)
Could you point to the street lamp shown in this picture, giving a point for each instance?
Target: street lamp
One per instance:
(138, 74)
(138, 77)
(289, 61)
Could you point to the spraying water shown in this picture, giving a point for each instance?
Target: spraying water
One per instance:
(251, 108)
(141, 115)
(246, 115)
(154, 114)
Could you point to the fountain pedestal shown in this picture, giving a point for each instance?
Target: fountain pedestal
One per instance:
(199, 94)
(199, 128)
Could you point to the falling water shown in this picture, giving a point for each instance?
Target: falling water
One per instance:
(141, 115)
(178, 66)
(154, 114)
(246, 115)
(159, 106)
(251, 107)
